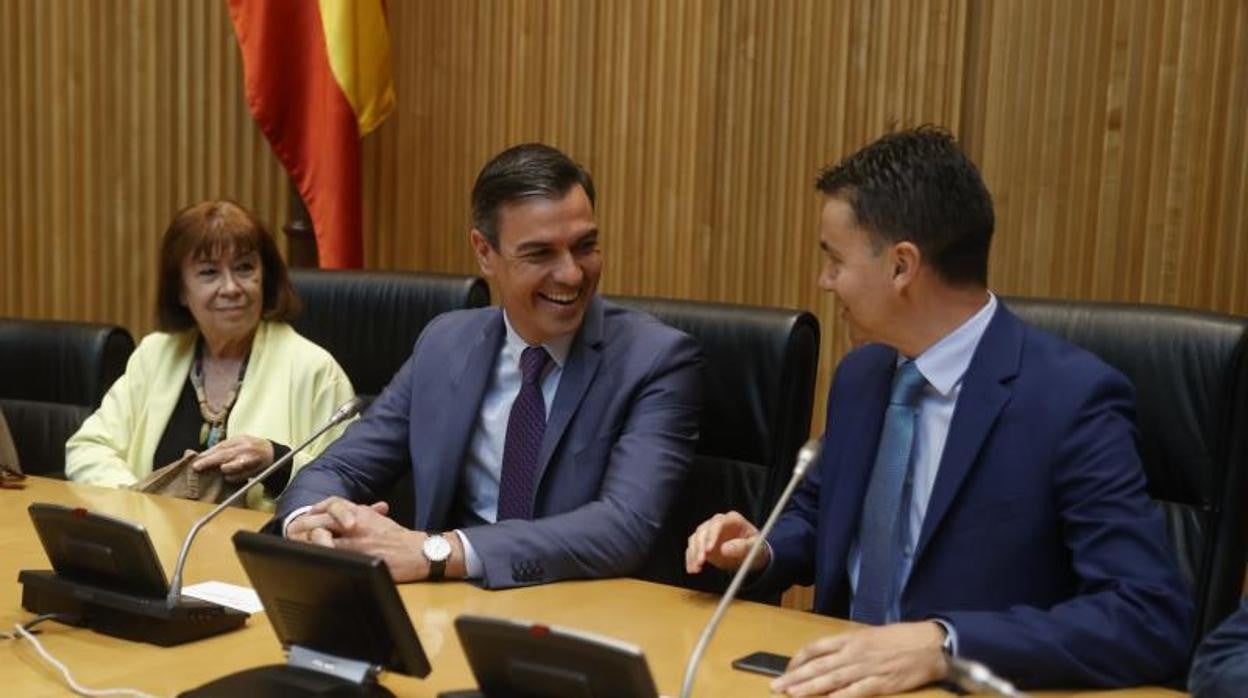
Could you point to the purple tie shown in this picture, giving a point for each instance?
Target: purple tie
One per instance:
(525, 427)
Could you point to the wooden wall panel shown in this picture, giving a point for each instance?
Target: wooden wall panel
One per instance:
(1112, 136)
(704, 124)
(115, 114)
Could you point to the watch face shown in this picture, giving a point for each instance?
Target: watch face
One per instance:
(437, 548)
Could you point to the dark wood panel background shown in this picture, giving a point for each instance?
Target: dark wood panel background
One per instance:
(1112, 135)
(115, 114)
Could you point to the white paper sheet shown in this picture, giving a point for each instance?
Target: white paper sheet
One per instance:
(229, 595)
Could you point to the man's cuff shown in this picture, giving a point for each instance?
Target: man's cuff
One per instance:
(951, 636)
(292, 516)
(472, 563)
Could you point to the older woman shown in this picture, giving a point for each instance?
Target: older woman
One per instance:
(225, 376)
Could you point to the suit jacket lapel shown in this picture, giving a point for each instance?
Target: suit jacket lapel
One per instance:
(578, 373)
(984, 394)
(861, 436)
(470, 379)
(852, 463)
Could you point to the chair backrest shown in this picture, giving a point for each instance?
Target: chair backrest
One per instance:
(40, 430)
(52, 376)
(369, 322)
(1190, 371)
(73, 363)
(760, 366)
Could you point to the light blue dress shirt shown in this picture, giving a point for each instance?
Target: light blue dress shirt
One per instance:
(483, 464)
(943, 365)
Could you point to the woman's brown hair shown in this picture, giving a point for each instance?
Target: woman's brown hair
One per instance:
(208, 230)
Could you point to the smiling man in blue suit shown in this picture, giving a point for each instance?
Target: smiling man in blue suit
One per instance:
(546, 437)
(979, 490)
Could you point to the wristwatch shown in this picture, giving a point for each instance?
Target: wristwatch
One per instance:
(437, 550)
(947, 645)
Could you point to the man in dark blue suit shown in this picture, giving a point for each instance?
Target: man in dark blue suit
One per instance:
(546, 438)
(979, 490)
(1220, 669)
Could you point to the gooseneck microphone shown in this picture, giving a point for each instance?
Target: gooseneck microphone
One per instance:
(119, 588)
(344, 412)
(808, 454)
(973, 677)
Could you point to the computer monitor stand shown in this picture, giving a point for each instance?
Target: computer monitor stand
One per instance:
(305, 673)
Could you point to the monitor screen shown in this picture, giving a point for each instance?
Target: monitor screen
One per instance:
(99, 550)
(332, 601)
(514, 658)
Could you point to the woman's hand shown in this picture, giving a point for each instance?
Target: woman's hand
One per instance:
(238, 457)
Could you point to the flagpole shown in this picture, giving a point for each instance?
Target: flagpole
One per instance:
(300, 236)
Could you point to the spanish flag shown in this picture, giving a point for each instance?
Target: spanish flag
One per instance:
(317, 79)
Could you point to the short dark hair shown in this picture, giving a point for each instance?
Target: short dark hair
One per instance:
(208, 230)
(522, 172)
(917, 185)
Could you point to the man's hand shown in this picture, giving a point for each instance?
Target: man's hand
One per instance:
(338, 523)
(723, 540)
(869, 662)
(329, 518)
(238, 457)
(400, 547)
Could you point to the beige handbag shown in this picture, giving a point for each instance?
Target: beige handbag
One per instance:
(179, 479)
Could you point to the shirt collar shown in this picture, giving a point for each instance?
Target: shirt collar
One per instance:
(944, 363)
(558, 347)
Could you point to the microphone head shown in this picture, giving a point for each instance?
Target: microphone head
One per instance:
(347, 410)
(974, 677)
(808, 454)
(968, 674)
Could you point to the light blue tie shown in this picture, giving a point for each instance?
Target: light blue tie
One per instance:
(882, 531)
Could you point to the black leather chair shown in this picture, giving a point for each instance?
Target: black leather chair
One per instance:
(760, 366)
(52, 377)
(1190, 371)
(369, 321)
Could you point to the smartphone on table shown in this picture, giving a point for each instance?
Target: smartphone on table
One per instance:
(762, 663)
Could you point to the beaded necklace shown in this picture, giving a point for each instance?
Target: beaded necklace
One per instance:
(213, 430)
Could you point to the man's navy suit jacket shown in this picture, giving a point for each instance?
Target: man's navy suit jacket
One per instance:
(1220, 669)
(1040, 544)
(620, 436)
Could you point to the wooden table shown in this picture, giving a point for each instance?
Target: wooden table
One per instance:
(664, 621)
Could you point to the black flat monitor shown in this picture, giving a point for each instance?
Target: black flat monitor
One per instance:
(332, 601)
(99, 550)
(518, 659)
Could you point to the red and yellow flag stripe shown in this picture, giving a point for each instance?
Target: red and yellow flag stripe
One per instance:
(317, 78)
